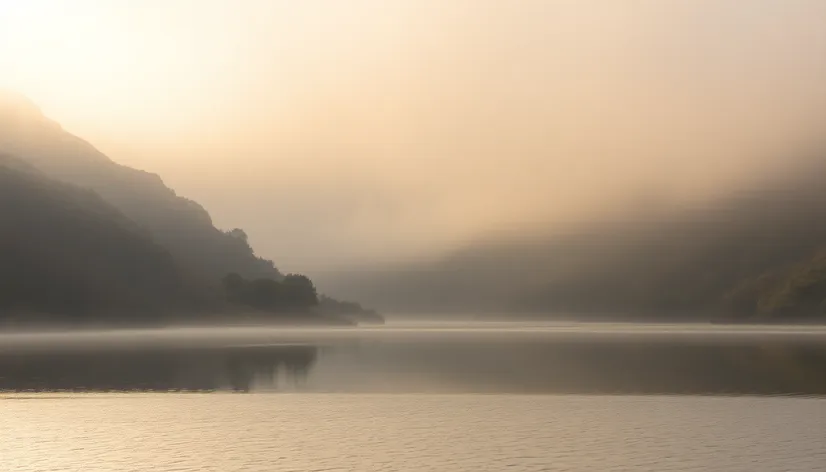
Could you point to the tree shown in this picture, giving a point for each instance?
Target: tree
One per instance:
(234, 283)
(265, 294)
(299, 292)
(240, 235)
(296, 293)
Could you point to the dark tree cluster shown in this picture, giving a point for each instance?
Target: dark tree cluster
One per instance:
(350, 310)
(293, 294)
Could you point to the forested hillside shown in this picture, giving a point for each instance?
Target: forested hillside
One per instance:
(177, 223)
(86, 240)
(68, 256)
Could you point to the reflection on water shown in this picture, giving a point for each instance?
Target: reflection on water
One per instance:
(500, 360)
(607, 367)
(153, 369)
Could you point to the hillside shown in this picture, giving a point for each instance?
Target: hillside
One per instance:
(56, 183)
(179, 224)
(69, 257)
(750, 255)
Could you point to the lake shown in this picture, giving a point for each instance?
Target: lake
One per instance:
(447, 397)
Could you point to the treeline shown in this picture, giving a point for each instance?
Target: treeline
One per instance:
(293, 294)
(293, 297)
(792, 292)
(349, 310)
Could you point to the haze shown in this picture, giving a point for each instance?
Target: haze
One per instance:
(349, 134)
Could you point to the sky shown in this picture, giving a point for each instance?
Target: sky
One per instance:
(348, 133)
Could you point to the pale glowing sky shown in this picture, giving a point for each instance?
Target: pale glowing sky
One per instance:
(339, 131)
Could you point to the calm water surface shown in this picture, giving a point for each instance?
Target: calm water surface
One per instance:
(456, 398)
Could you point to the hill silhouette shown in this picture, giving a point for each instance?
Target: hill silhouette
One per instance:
(69, 257)
(179, 224)
(84, 240)
(757, 254)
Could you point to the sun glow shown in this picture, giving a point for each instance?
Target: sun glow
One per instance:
(414, 125)
(101, 57)
(157, 66)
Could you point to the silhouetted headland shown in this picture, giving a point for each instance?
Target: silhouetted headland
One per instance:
(88, 242)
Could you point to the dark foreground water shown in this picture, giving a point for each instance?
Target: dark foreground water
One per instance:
(444, 398)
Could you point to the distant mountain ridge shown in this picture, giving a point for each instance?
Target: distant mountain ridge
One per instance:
(754, 255)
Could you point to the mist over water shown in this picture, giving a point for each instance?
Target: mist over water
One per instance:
(538, 358)
(455, 397)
